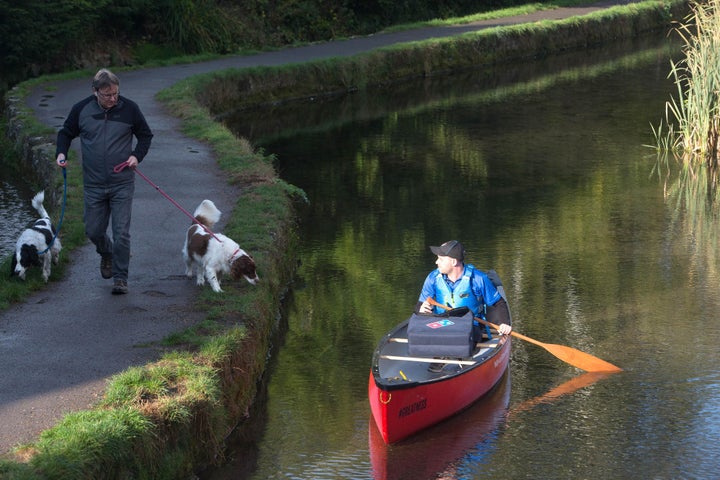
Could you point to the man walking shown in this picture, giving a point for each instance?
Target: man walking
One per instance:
(106, 124)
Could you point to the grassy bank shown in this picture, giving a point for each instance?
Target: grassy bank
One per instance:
(167, 418)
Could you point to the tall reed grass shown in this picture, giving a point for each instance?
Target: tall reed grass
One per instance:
(696, 110)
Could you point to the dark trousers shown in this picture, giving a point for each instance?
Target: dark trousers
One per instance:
(101, 205)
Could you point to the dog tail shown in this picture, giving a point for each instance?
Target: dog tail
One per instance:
(207, 213)
(37, 203)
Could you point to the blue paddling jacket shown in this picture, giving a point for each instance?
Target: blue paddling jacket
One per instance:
(473, 290)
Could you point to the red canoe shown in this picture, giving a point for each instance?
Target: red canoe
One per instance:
(436, 451)
(406, 397)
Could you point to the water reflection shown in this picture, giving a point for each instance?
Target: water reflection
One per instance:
(15, 200)
(566, 388)
(691, 190)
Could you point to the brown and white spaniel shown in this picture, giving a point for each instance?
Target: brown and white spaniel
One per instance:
(208, 255)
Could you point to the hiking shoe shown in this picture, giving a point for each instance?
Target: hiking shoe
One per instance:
(106, 265)
(120, 287)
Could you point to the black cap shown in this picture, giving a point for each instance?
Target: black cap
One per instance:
(453, 249)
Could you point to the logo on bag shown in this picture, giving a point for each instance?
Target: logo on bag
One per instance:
(441, 323)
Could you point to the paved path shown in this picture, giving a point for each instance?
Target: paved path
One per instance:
(58, 349)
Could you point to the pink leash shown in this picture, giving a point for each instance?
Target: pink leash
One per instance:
(121, 166)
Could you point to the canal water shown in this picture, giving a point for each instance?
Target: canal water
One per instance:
(15, 198)
(541, 170)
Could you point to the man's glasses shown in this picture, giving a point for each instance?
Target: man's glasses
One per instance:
(108, 95)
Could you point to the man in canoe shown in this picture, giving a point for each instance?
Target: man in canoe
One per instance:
(456, 284)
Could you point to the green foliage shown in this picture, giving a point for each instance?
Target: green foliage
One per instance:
(48, 36)
(195, 25)
(17, 471)
(38, 31)
(94, 444)
(217, 349)
(174, 385)
(697, 77)
(195, 335)
(293, 21)
(146, 52)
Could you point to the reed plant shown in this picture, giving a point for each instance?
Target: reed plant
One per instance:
(693, 118)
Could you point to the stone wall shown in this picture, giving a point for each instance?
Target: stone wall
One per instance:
(35, 153)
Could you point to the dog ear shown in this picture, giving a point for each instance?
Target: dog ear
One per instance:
(13, 264)
(244, 267)
(29, 256)
(236, 268)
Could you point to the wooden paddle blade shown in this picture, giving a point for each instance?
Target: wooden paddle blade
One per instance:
(574, 357)
(579, 359)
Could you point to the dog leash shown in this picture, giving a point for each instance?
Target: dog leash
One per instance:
(62, 214)
(121, 166)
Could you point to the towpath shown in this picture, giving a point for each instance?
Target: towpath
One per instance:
(61, 345)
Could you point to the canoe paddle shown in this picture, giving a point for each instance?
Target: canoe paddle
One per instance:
(576, 358)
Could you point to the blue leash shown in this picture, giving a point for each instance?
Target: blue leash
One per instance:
(62, 213)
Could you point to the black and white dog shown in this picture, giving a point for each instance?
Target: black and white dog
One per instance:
(31, 249)
(209, 255)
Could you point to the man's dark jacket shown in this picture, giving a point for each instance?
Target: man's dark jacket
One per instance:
(106, 138)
